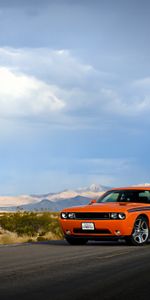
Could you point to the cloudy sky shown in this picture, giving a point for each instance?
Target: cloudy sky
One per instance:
(74, 94)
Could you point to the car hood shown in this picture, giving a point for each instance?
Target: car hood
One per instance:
(106, 207)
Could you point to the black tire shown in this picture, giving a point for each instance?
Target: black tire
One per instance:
(140, 233)
(76, 241)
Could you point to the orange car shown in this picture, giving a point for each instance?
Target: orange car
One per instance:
(119, 213)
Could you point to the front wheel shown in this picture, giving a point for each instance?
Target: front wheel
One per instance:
(140, 233)
(76, 241)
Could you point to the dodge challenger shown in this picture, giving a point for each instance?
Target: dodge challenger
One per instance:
(121, 213)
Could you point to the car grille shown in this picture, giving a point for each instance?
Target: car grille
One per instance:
(92, 216)
(101, 231)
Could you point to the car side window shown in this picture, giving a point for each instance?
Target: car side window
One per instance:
(128, 196)
(144, 196)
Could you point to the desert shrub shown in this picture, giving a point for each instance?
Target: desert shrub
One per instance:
(41, 239)
(30, 240)
(31, 223)
(55, 228)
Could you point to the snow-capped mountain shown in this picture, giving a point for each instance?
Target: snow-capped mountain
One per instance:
(93, 188)
(94, 191)
(53, 201)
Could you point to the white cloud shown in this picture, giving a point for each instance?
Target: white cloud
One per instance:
(129, 103)
(54, 66)
(22, 95)
(143, 83)
(43, 82)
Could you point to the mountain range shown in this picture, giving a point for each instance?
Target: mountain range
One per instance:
(52, 201)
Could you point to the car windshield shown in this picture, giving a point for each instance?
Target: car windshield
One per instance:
(136, 196)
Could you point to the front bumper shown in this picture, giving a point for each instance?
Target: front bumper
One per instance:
(103, 228)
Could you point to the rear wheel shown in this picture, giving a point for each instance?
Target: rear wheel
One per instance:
(140, 233)
(76, 241)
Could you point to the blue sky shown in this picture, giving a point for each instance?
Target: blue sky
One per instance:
(74, 94)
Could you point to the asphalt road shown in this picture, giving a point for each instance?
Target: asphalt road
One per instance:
(57, 271)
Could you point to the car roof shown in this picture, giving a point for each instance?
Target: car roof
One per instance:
(133, 188)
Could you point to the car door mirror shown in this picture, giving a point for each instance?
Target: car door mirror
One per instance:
(92, 201)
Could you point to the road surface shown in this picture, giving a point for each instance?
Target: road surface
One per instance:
(57, 271)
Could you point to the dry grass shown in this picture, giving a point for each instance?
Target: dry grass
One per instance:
(13, 227)
(12, 238)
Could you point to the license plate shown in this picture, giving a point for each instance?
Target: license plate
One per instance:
(87, 226)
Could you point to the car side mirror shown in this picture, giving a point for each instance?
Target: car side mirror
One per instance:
(92, 202)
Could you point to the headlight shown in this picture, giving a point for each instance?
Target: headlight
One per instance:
(71, 215)
(64, 215)
(117, 216)
(121, 216)
(114, 216)
(68, 215)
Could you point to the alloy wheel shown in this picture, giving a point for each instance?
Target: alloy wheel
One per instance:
(141, 231)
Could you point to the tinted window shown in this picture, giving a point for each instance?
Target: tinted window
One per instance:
(126, 196)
